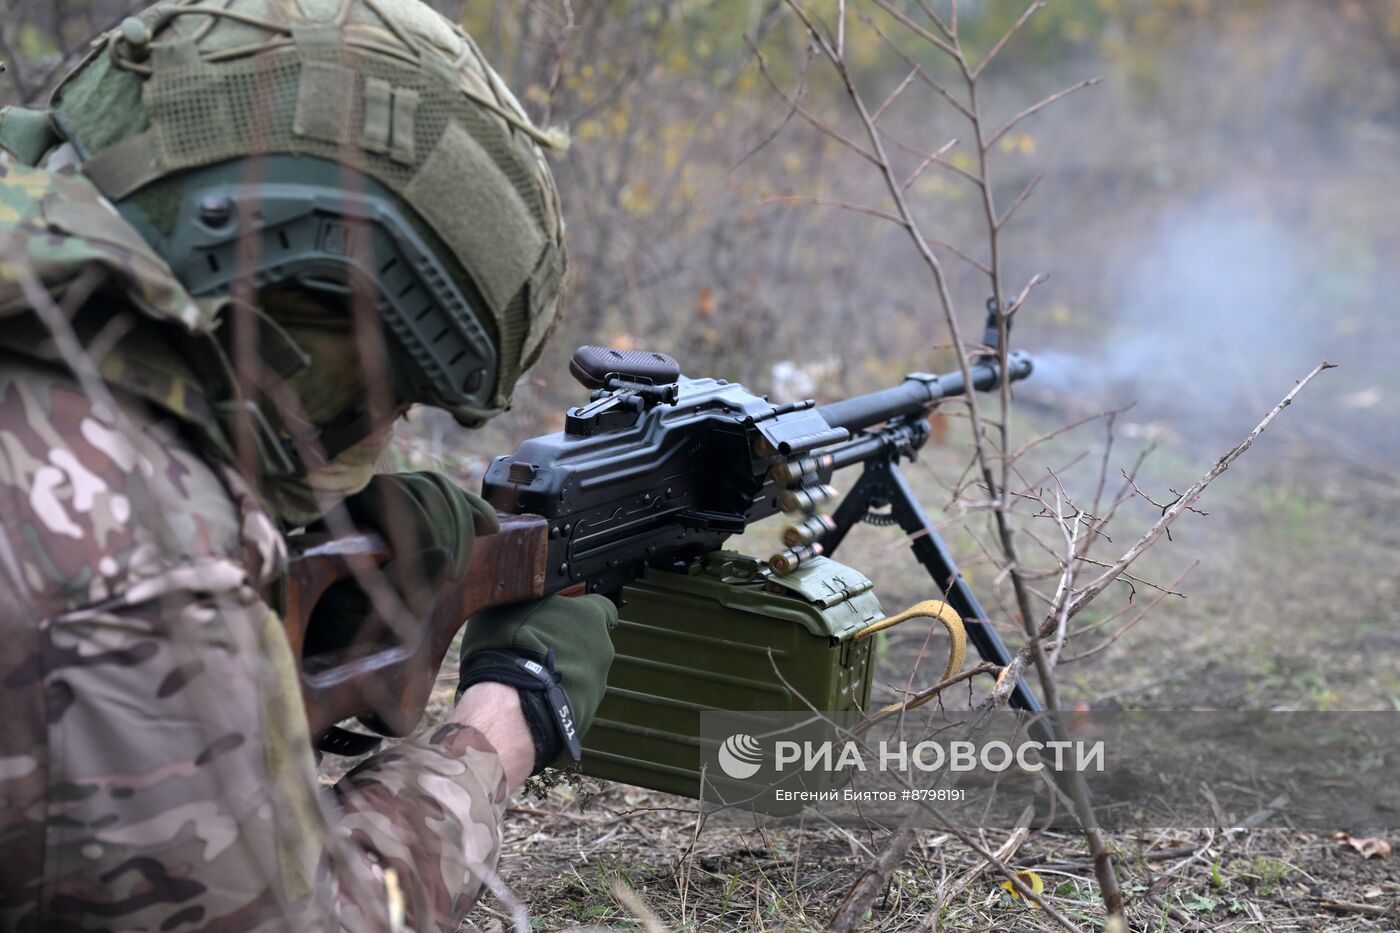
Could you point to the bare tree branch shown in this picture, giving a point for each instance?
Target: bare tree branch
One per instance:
(832, 202)
(920, 71)
(807, 115)
(1141, 614)
(1035, 108)
(1005, 38)
(1020, 198)
(894, 95)
(1188, 498)
(913, 27)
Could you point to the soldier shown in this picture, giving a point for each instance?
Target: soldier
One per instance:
(243, 239)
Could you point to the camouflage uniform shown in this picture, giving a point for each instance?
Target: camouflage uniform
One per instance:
(155, 771)
(155, 767)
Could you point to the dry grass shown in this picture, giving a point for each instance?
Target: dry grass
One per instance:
(567, 864)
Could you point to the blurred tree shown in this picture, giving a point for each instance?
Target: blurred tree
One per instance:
(679, 152)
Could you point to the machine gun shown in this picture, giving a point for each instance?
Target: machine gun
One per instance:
(657, 471)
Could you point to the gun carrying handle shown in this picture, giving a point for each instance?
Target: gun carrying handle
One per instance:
(929, 609)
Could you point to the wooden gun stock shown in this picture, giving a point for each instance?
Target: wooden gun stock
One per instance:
(375, 674)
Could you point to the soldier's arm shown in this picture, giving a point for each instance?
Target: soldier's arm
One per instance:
(494, 711)
(430, 810)
(157, 767)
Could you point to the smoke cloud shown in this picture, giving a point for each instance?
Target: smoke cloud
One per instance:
(1216, 319)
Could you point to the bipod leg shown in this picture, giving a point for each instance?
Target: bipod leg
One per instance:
(883, 483)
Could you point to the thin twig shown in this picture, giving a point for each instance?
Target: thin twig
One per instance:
(832, 202)
(1005, 38)
(894, 95)
(1035, 108)
(1020, 199)
(913, 27)
(920, 71)
(1142, 614)
(807, 115)
(1188, 498)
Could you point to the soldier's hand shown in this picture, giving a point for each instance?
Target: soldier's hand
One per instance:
(556, 651)
(429, 522)
(424, 513)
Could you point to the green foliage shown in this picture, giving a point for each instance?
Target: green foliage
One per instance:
(1264, 873)
(1295, 681)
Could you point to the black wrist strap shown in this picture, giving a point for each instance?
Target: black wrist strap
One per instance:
(542, 700)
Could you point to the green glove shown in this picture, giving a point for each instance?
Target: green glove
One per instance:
(430, 524)
(556, 651)
(423, 512)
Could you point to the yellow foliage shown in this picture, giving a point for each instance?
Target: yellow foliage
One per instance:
(1024, 143)
(588, 129)
(36, 43)
(1075, 30)
(864, 47)
(1031, 880)
(677, 131)
(637, 199)
(931, 184)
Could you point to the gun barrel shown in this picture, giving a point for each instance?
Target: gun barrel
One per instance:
(918, 392)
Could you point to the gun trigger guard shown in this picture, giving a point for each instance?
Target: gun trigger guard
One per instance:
(338, 741)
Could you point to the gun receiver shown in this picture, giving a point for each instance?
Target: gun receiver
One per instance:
(656, 469)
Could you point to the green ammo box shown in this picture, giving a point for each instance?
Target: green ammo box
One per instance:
(693, 642)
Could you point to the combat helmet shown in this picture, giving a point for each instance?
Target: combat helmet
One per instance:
(330, 145)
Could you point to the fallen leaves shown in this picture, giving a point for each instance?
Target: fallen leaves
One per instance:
(1366, 847)
(1031, 880)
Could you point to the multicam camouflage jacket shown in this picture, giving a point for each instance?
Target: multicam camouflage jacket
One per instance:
(155, 771)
